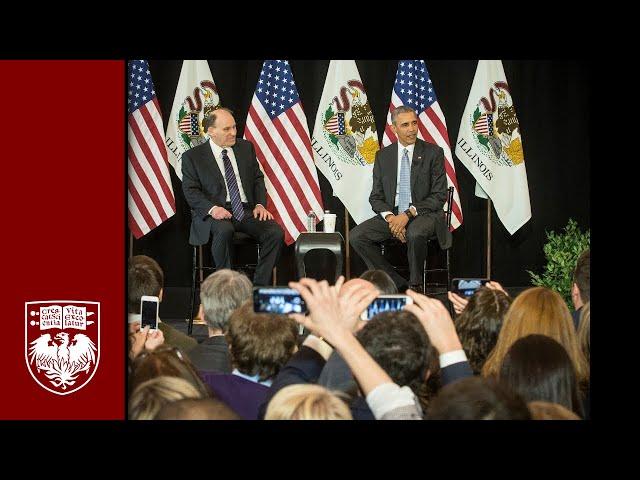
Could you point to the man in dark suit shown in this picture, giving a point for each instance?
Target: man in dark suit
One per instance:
(224, 186)
(408, 194)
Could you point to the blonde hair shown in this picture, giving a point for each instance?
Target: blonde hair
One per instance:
(307, 402)
(541, 311)
(550, 411)
(149, 397)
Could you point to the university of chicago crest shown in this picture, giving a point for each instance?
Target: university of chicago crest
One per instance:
(62, 343)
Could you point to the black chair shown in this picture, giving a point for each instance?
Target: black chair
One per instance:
(239, 239)
(432, 246)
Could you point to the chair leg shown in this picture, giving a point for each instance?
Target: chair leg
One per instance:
(193, 291)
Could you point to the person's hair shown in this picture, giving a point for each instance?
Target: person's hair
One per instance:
(165, 360)
(537, 310)
(398, 342)
(221, 293)
(582, 275)
(584, 330)
(537, 367)
(479, 324)
(477, 398)
(210, 120)
(381, 280)
(260, 343)
(550, 411)
(307, 402)
(149, 397)
(197, 409)
(144, 277)
(399, 110)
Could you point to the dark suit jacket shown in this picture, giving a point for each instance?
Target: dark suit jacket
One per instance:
(212, 355)
(203, 184)
(428, 184)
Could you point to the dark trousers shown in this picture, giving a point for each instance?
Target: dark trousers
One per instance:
(267, 233)
(366, 238)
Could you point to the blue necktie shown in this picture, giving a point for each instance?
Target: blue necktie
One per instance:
(232, 185)
(404, 194)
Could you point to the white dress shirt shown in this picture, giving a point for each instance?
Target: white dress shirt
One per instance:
(400, 155)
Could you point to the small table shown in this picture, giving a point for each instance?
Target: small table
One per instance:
(307, 241)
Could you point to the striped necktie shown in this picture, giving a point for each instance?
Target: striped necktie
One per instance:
(232, 185)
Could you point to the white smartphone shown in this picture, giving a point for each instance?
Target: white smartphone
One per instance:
(149, 312)
(386, 303)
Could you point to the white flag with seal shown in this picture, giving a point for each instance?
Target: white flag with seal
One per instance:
(196, 96)
(490, 145)
(345, 140)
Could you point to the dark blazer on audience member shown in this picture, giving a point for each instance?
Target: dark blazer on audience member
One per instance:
(212, 355)
(242, 395)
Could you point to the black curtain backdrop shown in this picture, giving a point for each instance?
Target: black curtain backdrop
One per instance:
(552, 103)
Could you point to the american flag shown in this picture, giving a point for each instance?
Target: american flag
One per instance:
(413, 88)
(277, 127)
(150, 194)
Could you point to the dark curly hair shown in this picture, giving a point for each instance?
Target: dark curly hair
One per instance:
(400, 345)
(479, 324)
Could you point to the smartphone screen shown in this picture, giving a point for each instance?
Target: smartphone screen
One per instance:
(279, 300)
(385, 304)
(149, 314)
(466, 287)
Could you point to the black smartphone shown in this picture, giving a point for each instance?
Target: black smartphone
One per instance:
(149, 312)
(280, 300)
(386, 303)
(465, 287)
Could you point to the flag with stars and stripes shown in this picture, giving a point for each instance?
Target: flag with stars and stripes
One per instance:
(413, 88)
(150, 194)
(277, 127)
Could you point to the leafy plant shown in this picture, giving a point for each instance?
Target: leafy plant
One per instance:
(562, 251)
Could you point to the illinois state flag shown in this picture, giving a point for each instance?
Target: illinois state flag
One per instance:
(196, 96)
(490, 145)
(344, 138)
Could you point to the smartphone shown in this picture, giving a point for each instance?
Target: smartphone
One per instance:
(281, 300)
(386, 303)
(149, 312)
(465, 287)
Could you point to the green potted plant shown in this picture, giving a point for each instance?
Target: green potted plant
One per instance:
(562, 251)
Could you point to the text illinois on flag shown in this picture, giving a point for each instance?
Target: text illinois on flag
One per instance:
(149, 193)
(490, 145)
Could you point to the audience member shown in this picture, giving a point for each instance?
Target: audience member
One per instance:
(164, 361)
(537, 367)
(307, 402)
(221, 293)
(260, 344)
(144, 339)
(542, 311)
(459, 303)
(477, 398)
(479, 324)
(145, 277)
(149, 397)
(581, 286)
(197, 409)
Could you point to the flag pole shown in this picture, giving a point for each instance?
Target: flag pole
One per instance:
(489, 238)
(346, 231)
(130, 244)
